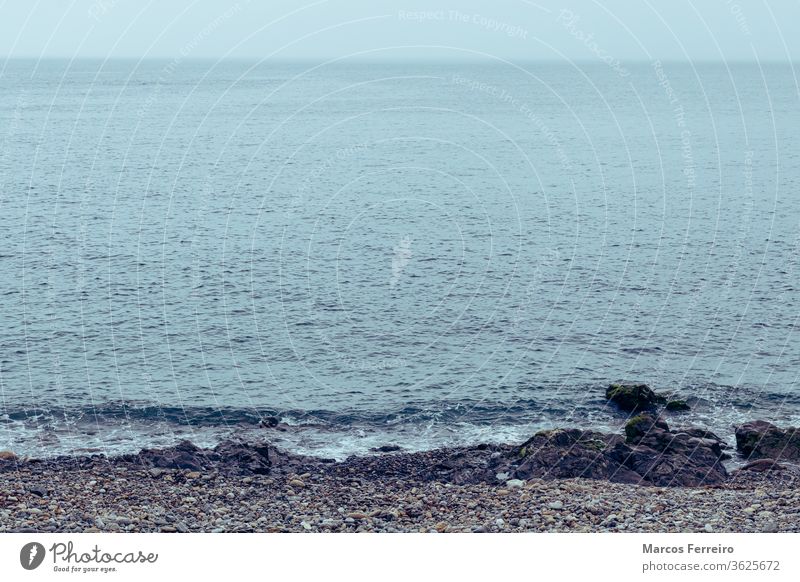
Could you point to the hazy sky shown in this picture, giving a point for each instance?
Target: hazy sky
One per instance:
(611, 30)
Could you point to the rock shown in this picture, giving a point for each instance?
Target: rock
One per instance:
(269, 422)
(38, 491)
(387, 449)
(358, 516)
(184, 455)
(556, 505)
(515, 483)
(7, 456)
(633, 397)
(760, 439)
(677, 406)
(255, 459)
(708, 527)
(297, 483)
(305, 525)
(565, 453)
(193, 475)
(168, 529)
(761, 465)
(770, 527)
(642, 425)
(441, 527)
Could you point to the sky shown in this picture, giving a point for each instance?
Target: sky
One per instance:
(614, 30)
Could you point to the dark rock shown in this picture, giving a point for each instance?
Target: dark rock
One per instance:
(565, 453)
(760, 439)
(677, 406)
(387, 449)
(256, 459)
(633, 397)
(641, 425)
(762, 465)
(270, 422)
(38, 491)
(184, 455)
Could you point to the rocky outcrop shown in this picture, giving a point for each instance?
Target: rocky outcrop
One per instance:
(649, 454)
(762, 440)
(634, 397)
(227, 457)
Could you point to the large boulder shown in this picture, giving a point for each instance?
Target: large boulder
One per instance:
(566, 453)
(634, 397)
(661, 456)
(184, 455)
(762, 440)
(649, 454)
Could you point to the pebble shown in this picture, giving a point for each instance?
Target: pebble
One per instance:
(515, 483)
(342, 497)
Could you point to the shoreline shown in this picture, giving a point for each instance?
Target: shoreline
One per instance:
(557, 481)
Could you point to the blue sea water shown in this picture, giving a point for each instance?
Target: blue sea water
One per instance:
(418, 254)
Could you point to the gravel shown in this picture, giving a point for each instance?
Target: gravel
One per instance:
(114, 497)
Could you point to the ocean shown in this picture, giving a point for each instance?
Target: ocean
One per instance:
(425, 254)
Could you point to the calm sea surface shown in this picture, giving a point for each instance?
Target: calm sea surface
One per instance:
(414, 254)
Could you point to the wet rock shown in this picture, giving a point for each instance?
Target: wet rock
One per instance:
(760, 439)
(7, 456)
(269, 422)
(386, 449)
(642, 425)
(677, 406)
(565, 453)
(184, 455)
(762, 465)
(633, 397)
(254, 459)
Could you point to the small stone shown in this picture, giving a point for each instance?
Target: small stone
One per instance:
(770, 527)
(297, 483)
(193, 475)
(7, 456)
(556, 505)
(708, 527)
(515, 483)
(357, 516)
(168, 529)
(502, 476)
(306, 526)
(441, 527)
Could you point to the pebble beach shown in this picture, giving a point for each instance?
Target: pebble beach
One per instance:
(110, 495)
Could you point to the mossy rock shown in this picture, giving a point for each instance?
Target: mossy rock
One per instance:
(637, 426)
(677, 406)
(640, 425)
(634, 397)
